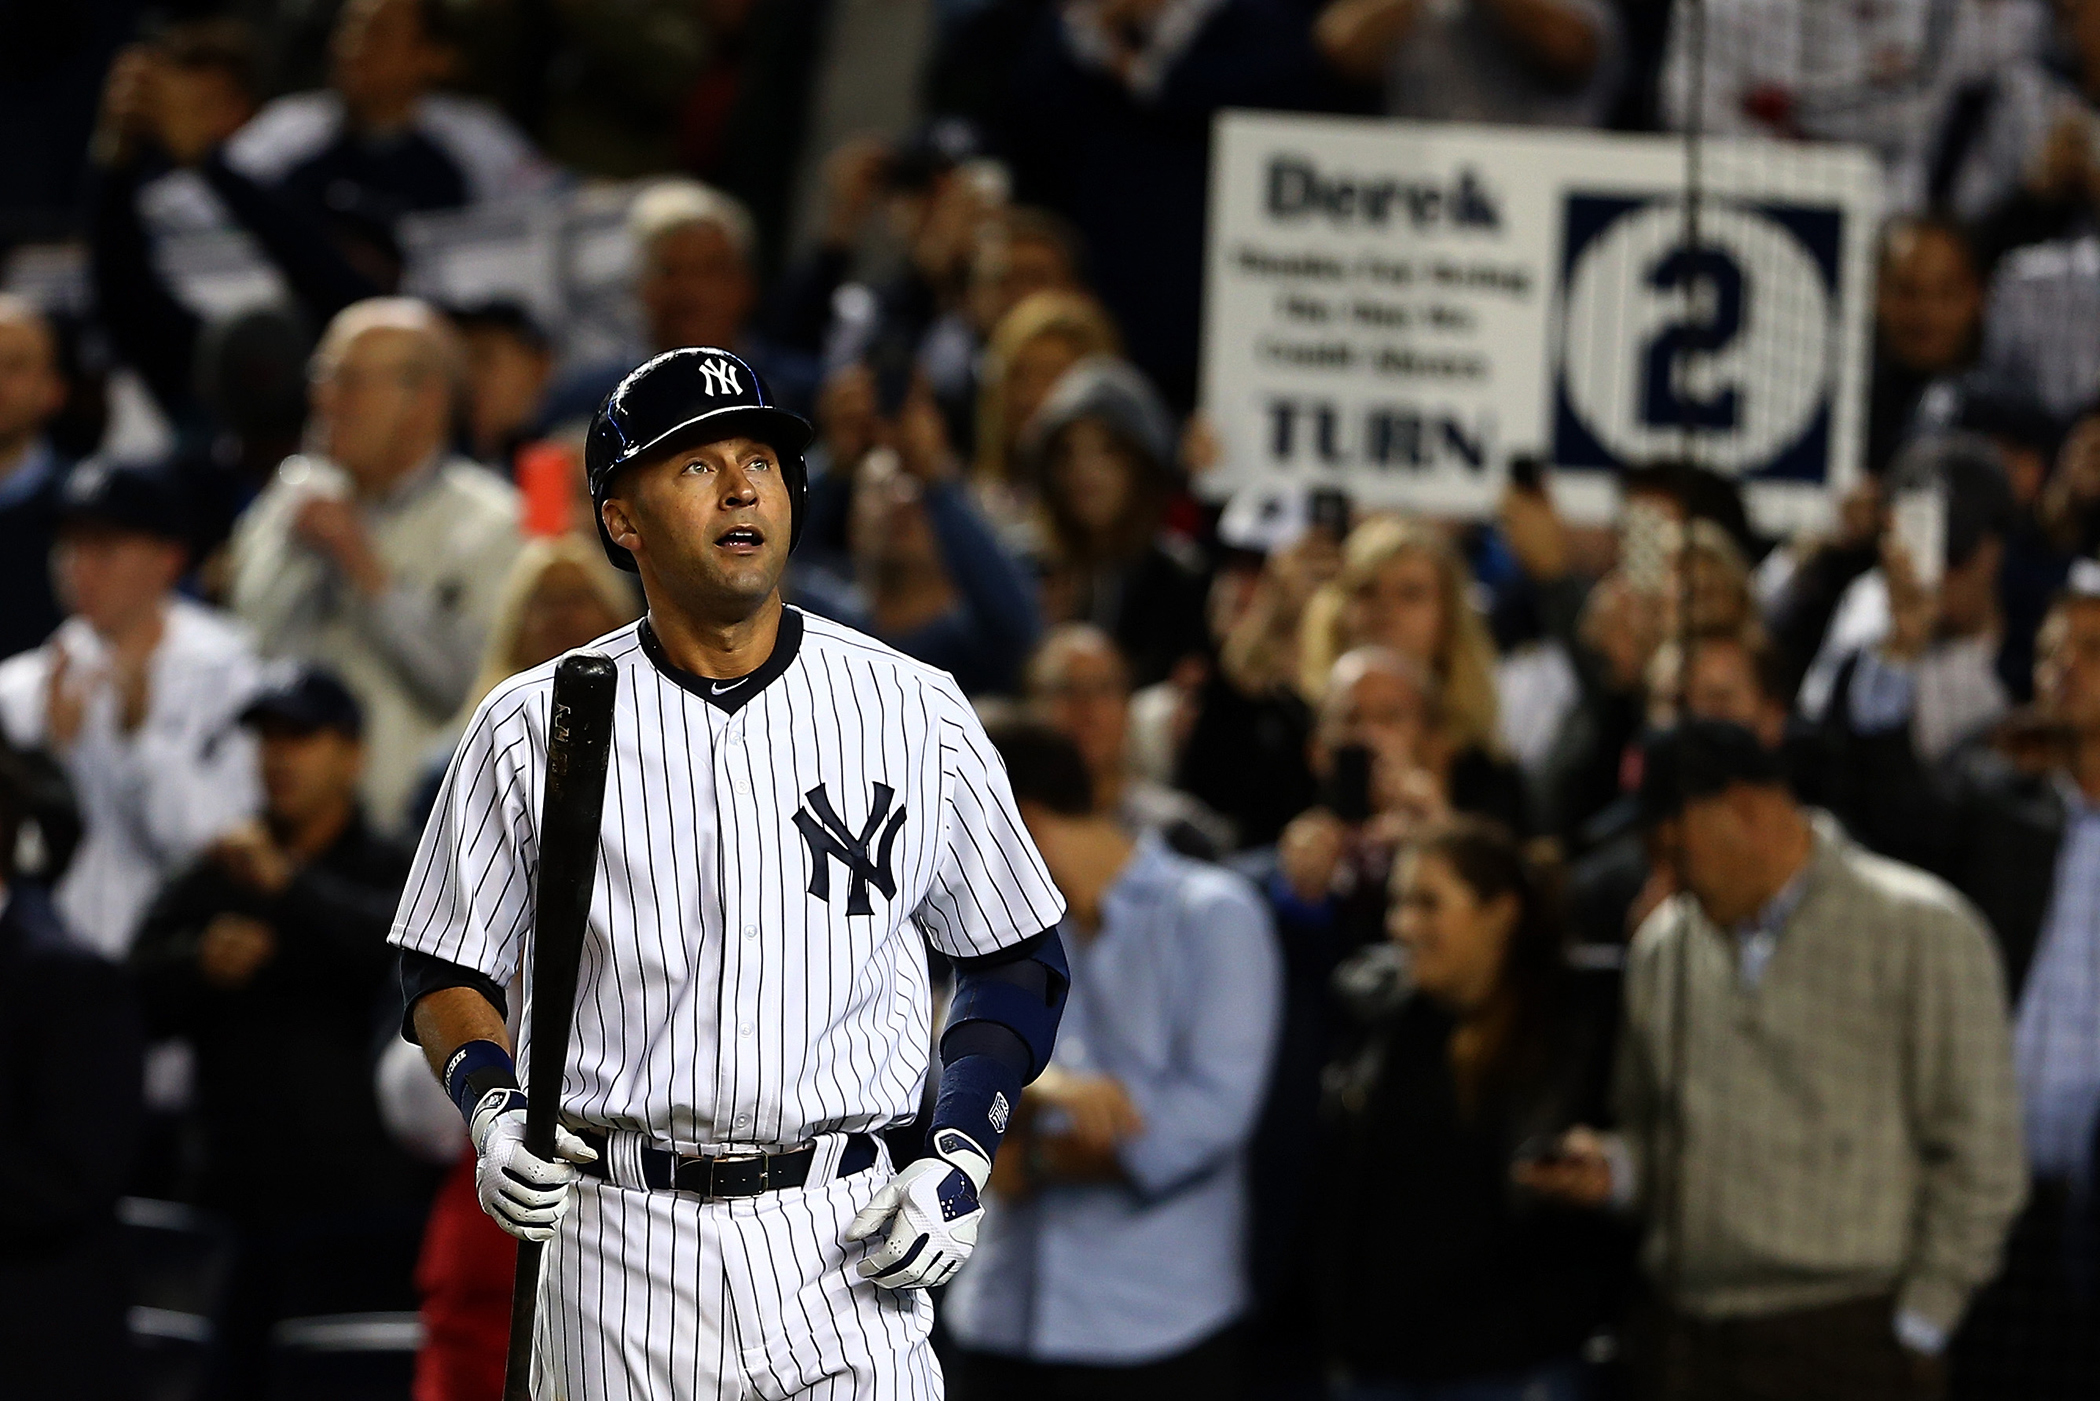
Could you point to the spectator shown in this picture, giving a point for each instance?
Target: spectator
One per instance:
(383, 558)
(1079, 685)
(938, 193)
(1625, 618)
(1109, 1261)
(560, 594)
(169, 108)
(1928, 320)
(2069, 509)
(1245, 751)
(2010, 152)
(1514, 62)
(509, 364)
(69, 1063)
(1386, 765)
(1734, 675)
(1029, 351)
(921, 569)
(1795, 68)
(2040, 298)
(2022, 839)
(1784, 1263)
(1402, 586)
(1107, 116)
(1023, 252)
(1892, 638)
(694, 285)
(137, 693)
(269, 955)
(1101, 451)
(31, 394)
(1448, 1284)
(381, 141)
(1533, 618)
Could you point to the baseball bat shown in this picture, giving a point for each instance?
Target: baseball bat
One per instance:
(579, 742)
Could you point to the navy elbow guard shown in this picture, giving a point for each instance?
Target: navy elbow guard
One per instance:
(1002, 1027)
(1022, 991)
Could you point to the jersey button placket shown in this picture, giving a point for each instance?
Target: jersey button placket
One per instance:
(747, 954)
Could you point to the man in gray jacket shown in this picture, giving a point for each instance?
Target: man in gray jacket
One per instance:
(1818, 1120)
(381, 555)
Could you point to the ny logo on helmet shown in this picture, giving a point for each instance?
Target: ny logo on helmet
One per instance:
(721, 377)
(830, 838)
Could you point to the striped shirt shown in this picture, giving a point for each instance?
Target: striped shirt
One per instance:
(775, 854)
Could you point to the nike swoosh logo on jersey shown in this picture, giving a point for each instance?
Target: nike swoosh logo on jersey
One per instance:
(724, 687)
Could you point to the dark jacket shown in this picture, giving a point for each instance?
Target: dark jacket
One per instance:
(284, 1063)
(1987, 827)
(70, 1053)
(1446, 1270)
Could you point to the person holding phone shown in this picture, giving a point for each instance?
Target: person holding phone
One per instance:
(1917, 641)
(1454, 1282)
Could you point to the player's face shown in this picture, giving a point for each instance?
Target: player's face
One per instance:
(708, 525)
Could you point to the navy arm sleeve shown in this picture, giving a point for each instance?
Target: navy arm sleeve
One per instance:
(423, 974)
(1002, 1027)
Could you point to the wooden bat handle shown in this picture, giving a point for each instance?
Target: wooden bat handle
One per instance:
(579, 746)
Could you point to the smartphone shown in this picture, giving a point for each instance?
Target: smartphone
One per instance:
(1329, 509)
(1647, 540)
(1349, 784)
(1918, 518)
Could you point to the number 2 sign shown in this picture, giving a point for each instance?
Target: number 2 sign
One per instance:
(1725, 350)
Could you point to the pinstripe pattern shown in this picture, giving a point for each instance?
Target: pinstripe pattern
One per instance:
(720, 1004)
(655, 1296)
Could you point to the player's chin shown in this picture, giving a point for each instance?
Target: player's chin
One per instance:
(746, 576)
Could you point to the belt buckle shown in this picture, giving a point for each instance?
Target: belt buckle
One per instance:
(765, 1167)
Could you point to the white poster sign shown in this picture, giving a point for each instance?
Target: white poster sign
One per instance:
(1398, 309)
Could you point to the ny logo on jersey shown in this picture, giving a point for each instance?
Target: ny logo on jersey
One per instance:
(829, 837)
(720, 376)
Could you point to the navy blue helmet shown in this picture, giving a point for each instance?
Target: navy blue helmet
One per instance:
(681, 399)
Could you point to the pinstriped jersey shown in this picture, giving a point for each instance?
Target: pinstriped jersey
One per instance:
(774, 855)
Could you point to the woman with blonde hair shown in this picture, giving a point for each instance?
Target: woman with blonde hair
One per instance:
(561, 593)
(1046, 334)
(1402, 585)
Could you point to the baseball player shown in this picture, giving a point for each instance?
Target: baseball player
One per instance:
(792, 811)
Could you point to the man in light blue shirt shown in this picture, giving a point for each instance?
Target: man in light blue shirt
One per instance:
(1111, 1259)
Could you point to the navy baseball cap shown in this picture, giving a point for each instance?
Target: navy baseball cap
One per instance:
(312, 699)
(681, 399)
(125, 496)
(1698, 759)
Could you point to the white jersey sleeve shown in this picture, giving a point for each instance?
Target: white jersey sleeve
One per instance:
(990, 889)
(469, 895)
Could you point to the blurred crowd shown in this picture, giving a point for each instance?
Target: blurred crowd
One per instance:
(1652, 958)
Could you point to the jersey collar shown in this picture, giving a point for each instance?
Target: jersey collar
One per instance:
(729, 696)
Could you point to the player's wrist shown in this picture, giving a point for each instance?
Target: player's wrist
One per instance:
(977, 1100)
(957, 1149)
(475, 1071)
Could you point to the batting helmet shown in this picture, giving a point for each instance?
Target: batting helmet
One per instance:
(681, 399)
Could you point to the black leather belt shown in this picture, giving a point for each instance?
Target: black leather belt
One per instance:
(737, 1175)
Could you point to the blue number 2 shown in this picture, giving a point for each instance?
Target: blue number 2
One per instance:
(1663, 404)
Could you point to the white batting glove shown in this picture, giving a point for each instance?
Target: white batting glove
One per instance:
(934, 1206)
(524, 1194)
